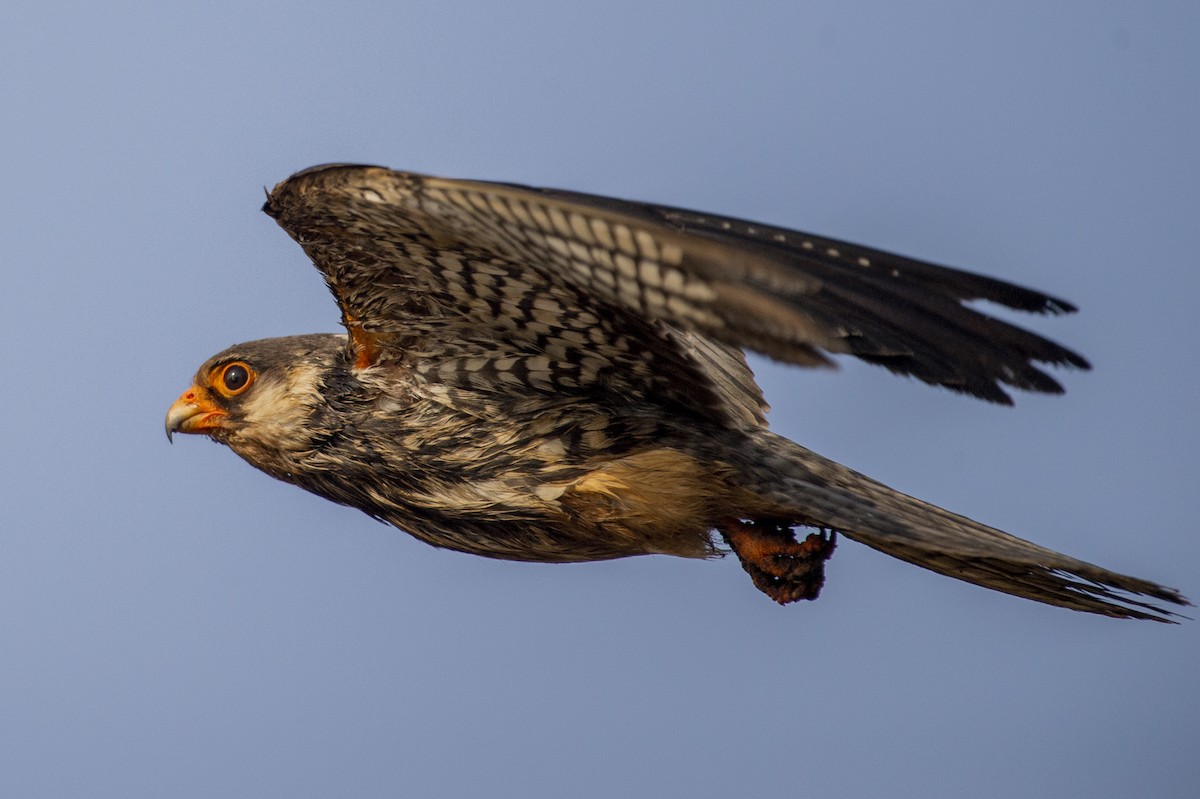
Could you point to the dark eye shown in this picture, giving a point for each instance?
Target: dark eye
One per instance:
(235, 378)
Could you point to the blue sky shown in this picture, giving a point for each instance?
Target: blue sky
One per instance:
(175, 624)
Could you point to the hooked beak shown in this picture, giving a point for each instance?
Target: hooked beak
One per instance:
(193, 412)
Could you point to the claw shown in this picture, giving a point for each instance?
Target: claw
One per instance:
(781, 567)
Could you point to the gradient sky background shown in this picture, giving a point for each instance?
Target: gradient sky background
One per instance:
(175, 624)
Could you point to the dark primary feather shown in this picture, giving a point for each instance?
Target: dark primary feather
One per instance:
(901, 313)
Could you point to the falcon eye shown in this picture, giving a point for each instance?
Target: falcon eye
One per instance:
(234, 379)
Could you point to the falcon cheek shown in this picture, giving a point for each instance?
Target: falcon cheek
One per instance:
(275, 416)
(194, 412)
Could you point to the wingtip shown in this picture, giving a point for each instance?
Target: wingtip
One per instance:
(333, 166)
(1054, 305)
(271, 206)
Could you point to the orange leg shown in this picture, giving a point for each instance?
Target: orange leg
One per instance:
(781, 567)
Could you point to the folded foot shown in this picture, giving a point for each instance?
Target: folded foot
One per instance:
(781, 567)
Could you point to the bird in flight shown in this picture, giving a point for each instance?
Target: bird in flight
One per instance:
(543, 375)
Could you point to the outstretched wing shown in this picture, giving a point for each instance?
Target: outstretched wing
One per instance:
(465, 313)
(400, 246)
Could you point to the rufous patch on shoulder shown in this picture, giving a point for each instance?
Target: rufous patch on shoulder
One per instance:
(366, 348)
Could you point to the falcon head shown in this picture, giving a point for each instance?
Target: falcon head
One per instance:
(259, 398)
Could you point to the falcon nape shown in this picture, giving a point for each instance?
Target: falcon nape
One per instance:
(543, 375)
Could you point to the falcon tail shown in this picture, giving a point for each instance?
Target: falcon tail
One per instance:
(828, 495)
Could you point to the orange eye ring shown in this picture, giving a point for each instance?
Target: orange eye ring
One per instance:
(233, 378)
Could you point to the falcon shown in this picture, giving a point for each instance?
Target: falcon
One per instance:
(543, 375)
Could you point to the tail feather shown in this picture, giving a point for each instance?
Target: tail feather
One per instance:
(827, 494)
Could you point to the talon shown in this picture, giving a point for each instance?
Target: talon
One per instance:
(781, 567)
